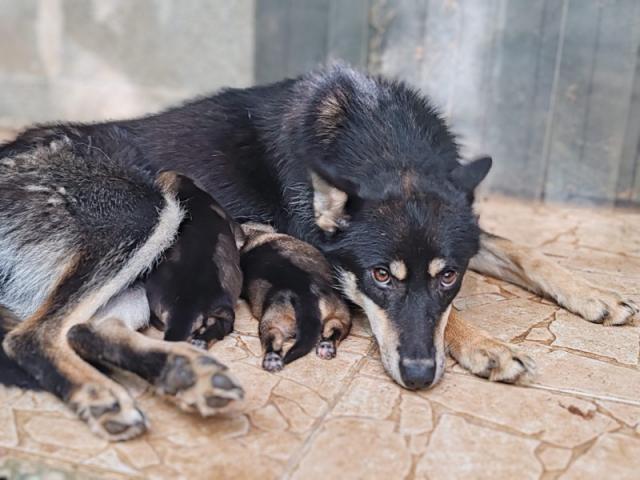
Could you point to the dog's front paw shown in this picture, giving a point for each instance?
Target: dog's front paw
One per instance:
(198, 383)
(497, 361)
(602, 306)
(111, 416)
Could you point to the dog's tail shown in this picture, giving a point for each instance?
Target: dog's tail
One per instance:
(10, 372)
(308, 326)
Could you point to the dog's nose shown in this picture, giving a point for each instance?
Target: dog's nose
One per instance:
(417, 372)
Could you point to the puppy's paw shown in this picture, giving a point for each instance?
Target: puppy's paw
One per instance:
(326, 349)
(272, 362)
(199, 343)
(111, 416)
(198, 383)
(497, 361)
(603, 306)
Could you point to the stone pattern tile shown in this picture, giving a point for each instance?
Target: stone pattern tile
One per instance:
(345, 419)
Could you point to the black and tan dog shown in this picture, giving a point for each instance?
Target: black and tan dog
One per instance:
(360, 167)
(288, 288)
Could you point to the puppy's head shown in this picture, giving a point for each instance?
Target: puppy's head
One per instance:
(396, 208)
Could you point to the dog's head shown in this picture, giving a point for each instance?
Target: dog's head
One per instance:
(396, 207)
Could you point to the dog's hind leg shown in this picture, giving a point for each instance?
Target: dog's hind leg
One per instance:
(529, 269)
(476, 351)
(40, 346)
(186, 375)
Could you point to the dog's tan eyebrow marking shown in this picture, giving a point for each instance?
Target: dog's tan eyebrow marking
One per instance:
(435, 266)
(398, 269)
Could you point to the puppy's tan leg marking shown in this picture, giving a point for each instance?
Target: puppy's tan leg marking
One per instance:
(336, 324)
(484, 356)
(527, 268)
(189, 377)
(277, 325)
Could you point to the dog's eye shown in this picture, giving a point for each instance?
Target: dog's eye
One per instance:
(381, 275)
(448, 278)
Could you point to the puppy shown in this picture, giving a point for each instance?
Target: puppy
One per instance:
(288, 287)
(192, 293)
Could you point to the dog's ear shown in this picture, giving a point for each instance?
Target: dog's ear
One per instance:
(467, 177)
(329, 205)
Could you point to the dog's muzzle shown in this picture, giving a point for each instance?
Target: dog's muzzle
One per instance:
(418, 373)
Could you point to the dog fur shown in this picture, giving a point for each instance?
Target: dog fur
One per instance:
(288, 287)
(193, 292)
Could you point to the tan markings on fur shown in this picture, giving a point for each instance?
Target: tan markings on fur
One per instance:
(384, 331)
(436, 266)
(219, 211)
(257, 292)
(484, 356)
(409, 182)
(335, 316)
(168, 181)
(279, 322)
(328, 204)
(330, 114)
(227, 261)
(524, 266)
(398, 269)
(439, 343)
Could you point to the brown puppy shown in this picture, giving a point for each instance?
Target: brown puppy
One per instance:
(288, 287)
(192, 293)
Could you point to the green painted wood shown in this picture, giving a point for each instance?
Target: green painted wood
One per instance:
(521, 87)
(308, 35)
(271, 40)
(570, 107)
(628, 185)
(402, 49)
(348, 32)
(594, 101)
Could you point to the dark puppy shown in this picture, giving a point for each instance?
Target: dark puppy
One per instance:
(288, 287)
(192, 293)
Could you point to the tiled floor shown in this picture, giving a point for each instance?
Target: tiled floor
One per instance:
(345, 419)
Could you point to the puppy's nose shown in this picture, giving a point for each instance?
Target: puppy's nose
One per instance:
(417, 372)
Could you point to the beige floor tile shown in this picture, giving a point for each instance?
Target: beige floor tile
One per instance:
(355, 448)
(557, 419)
(618, 343)
(612, 456)
(461, 450)
(510, 318)
(570, 372)
(555, 458)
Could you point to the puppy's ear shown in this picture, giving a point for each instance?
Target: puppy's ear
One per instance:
(467, 177)
(329, 204)
(238, 235)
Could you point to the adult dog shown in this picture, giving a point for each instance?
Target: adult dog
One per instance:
(361, 167)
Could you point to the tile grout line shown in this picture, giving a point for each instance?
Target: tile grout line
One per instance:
(294, 460)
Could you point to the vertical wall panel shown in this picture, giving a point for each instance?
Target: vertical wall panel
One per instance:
(348, 35)
(521, 87)
(571, 105)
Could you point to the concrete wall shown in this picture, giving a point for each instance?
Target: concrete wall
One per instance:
(101, 59)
